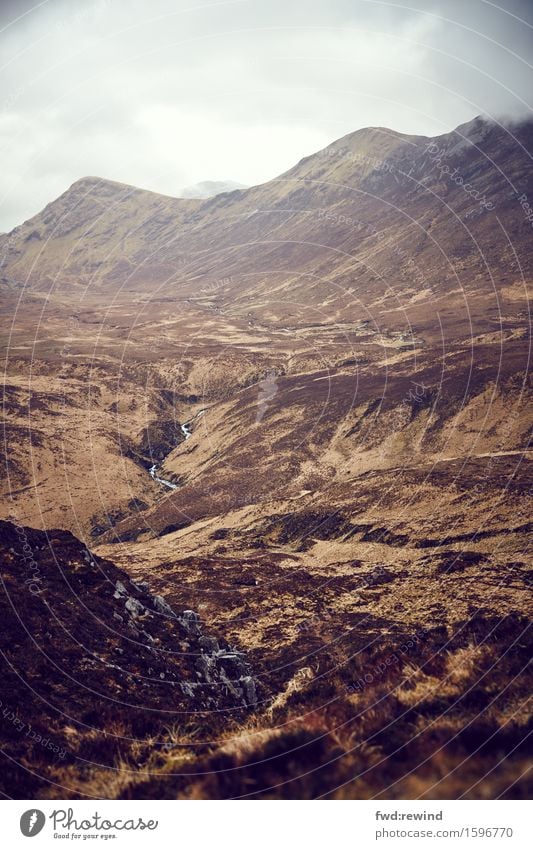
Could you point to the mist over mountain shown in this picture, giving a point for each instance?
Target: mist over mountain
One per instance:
(210, 188)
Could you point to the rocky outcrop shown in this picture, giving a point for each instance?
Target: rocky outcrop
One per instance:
(83, 646)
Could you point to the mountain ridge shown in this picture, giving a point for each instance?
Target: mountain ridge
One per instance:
(372, 190)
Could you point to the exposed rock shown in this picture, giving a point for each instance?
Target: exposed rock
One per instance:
(162, 606)
(209, 645)
(190, 621)
(229, 684)
(141, 586)
(379, 575)
(120, 590)
(97, 611)
(250, 692)
(206, 667)
(134, 607)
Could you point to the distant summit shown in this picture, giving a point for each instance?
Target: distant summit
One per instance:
(210, 188)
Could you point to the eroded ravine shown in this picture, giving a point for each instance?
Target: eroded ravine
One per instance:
(187, 433)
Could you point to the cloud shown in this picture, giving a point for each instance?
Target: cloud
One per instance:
(165, 94)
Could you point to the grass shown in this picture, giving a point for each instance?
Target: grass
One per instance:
(450, 722)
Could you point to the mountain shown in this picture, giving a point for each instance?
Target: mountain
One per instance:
(301, 410)
(355, 213)
(92, 231)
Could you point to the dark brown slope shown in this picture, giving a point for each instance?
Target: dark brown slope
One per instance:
(93, 663)
(380, 707)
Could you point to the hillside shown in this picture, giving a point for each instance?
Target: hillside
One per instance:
(85, 652)
(301, 410)
(376, 210)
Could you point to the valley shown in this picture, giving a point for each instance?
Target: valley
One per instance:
(301, 411)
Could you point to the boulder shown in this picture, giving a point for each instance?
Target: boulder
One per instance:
(163, 606)
(190, 622)
(134, 607)
(120, 590)
(209, 645)
(250, 692)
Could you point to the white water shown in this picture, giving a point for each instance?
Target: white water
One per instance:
(186, 428)
(187, 433)
(153, 474)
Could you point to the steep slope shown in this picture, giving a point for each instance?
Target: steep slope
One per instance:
(107, 692)
(407, 239)
(86, 651)
(97, 232)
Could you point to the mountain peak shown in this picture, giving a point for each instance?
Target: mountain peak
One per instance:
(102, 185)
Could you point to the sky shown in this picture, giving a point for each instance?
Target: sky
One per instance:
(162, 94)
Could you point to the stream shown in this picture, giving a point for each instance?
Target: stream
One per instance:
(153, 474)
(187, 433)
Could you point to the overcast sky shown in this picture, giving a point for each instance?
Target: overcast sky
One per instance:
(165, 93)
